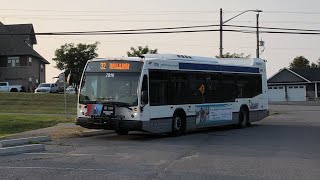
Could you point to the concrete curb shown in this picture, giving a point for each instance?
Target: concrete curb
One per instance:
(22, 141)
(95, 133)
(21, 149)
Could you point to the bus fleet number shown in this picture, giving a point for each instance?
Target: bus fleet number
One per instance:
(109, 75)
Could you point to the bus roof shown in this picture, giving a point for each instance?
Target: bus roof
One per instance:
(191, 59)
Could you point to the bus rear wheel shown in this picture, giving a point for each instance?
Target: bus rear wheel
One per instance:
(243, 118)
(178, 124)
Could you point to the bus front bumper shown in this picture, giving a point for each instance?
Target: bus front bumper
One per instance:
(109, 123)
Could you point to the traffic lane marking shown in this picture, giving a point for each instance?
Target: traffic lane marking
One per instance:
(53, 168)
(125, 155)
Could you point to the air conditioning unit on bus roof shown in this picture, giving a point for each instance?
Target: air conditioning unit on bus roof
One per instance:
(180, 57)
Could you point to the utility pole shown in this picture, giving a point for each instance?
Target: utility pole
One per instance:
(223, 22)
(258, 45)
(221, 30)
(65, 95)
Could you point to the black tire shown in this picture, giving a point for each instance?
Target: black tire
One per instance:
(243, 118)
(178, 124)
(14, 90)
(122, 131)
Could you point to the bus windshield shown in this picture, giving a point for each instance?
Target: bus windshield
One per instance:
(120, 87)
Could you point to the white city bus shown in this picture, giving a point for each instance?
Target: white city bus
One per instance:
(161, 93)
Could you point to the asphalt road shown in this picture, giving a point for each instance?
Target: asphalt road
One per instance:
(283, 146)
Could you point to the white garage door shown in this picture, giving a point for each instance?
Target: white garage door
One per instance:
(296, 93)
(276, 93)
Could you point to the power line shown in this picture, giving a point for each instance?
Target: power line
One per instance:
(285, 12)
(149, 20)
(69, 18)
(291, 12)
(113, 20)
(140, 11)
(101, 15)
(107, 11)
(160, 31)
(145, 29)
(123, 30)
(275, 32)
(261, 27)
(110, 33)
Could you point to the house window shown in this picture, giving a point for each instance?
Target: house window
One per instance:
(30, 61)
(13, 61)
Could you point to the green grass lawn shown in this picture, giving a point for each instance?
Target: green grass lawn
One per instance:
(34, 111)
(32, 103)
(11, 124)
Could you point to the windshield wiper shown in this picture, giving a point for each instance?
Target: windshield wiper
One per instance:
(89, 101)
(105, 99)
(120, 104)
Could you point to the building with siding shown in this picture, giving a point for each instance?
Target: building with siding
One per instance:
(19, 62)
(295, 85)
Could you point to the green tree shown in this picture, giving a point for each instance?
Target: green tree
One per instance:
(234, 55)
(299, 62)
(140, 51)
(314, 65)
(73, 58)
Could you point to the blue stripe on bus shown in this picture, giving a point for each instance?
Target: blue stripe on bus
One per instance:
(211, 67)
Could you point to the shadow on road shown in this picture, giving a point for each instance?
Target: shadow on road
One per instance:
(144, 136)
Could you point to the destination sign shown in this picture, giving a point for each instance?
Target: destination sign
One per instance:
(119, 66)
(114, 66)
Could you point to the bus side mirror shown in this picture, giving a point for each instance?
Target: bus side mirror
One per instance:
(144, 97)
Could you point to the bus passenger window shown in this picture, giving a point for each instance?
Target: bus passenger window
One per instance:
(158, 87)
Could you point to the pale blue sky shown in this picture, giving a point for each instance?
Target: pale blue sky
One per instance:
(81, 15)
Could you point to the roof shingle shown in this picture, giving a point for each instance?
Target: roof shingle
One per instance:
(312, 74)
(14, 45)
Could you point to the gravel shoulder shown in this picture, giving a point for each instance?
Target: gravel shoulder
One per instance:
(59, 131)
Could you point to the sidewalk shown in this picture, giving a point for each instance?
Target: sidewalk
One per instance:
(298, 103)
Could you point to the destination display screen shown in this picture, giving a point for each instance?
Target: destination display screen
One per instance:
(114, 66)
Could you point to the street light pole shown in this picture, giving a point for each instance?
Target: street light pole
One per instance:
(221, 25)
(223, 22)
(258, 45)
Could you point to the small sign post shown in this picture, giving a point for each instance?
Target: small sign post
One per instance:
(62, 79)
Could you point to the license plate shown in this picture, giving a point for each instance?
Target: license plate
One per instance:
(108, 110)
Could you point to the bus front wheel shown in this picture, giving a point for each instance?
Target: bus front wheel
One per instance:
(243, 118)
